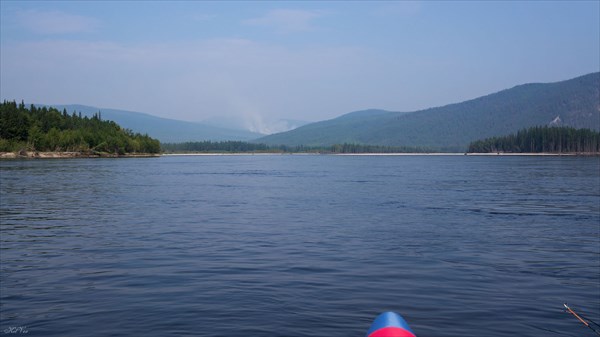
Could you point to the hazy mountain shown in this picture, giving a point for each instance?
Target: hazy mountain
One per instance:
(163, 129)
(574, 102)
(254, 124)
(282, 125)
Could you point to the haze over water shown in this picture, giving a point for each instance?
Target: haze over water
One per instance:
(299, 245)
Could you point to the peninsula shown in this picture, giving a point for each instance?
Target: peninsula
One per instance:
(34, 132)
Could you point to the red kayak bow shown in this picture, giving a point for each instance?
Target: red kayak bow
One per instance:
(390, 324)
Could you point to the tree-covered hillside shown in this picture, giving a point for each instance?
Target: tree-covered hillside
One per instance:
(575, 102)
(541, 139)
(47, 129)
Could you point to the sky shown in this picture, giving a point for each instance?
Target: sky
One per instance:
(258, 62)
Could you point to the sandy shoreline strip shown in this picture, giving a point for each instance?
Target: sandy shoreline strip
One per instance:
(238, 154)
(58, 155)
(470, 154)
(380, 154)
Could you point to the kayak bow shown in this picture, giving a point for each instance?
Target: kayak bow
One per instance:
(390, 324)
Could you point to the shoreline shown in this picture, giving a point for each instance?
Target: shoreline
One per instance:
(533, 154)
(64, 155)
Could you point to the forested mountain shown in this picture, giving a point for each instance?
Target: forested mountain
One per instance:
(47, 129)
(164, 129)
(540, 139)
(574, 103)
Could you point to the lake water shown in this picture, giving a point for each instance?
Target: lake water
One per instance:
(299, 245)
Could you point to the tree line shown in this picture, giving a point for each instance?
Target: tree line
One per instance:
(47, 129)
(241, 147)
(365, 148)
(540, 139)
(210, 146)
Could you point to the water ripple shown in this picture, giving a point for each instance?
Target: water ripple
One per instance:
(298, 245)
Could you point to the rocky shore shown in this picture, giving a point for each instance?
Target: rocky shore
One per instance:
(49, 155)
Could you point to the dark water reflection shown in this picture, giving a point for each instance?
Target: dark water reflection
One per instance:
(299, 245)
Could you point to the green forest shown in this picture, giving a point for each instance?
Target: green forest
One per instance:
(541, 139)
(47, 129)
(210, 147)
(242, 147)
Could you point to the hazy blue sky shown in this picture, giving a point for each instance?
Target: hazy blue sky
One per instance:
(303, 60)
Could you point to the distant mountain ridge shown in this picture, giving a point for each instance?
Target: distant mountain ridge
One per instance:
(254, 124)
(164, 129)
(574, 102)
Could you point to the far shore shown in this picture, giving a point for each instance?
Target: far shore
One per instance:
(535, 154)
(378, 154)
(58, 155)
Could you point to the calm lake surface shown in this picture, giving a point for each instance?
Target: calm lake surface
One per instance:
(295, 245)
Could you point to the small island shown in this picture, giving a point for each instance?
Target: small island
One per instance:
(42, 132)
